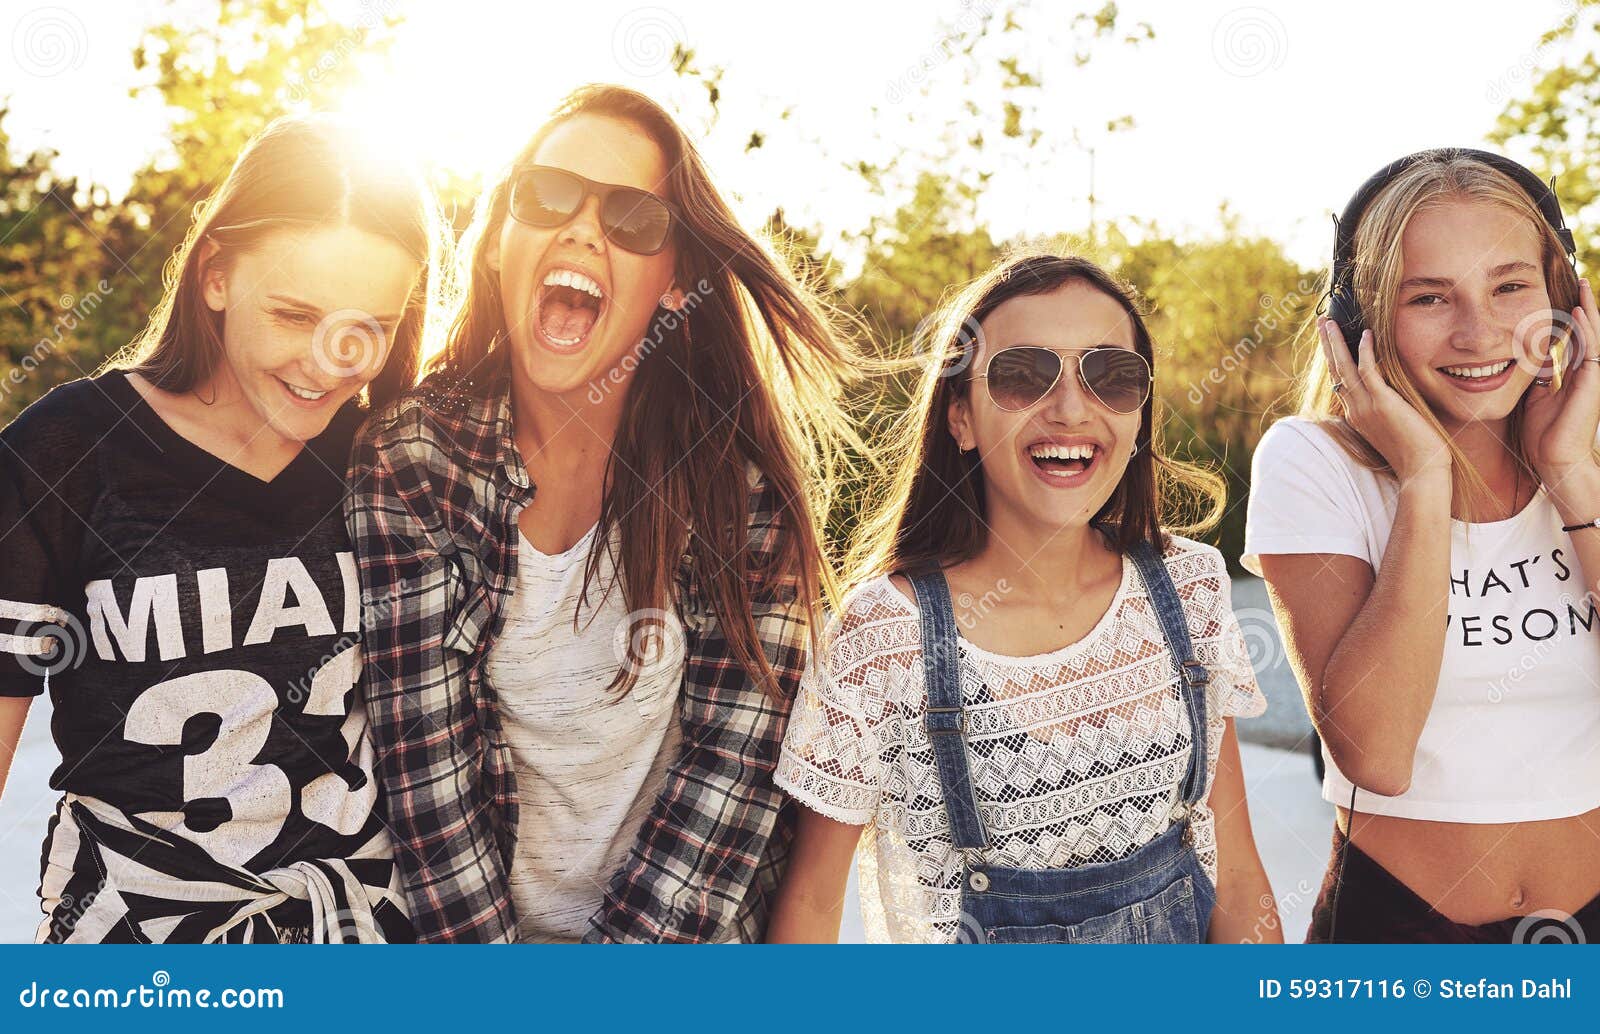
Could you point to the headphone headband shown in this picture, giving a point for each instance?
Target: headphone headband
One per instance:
(1342, 306)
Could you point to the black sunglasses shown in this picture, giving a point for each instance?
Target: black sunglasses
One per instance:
(1022, 375)
(633, 219)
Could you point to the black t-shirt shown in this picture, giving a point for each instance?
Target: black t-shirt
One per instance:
(205, 626)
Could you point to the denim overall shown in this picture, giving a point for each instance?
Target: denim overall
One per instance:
(1158, 894)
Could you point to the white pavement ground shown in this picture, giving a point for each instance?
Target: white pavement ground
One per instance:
(1293, 825)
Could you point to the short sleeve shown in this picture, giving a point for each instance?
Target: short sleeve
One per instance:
(1234, 690)
(1302, 497)
(43, 470)
(830, 759)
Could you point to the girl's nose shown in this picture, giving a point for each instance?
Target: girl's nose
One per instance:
(584, 229)
(1068, 402)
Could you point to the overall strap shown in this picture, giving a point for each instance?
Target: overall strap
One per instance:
(946, 721)
(1192, 675)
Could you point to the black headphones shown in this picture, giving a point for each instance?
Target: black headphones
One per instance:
(1342, 307)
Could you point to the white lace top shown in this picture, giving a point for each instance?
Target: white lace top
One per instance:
(1077, 755)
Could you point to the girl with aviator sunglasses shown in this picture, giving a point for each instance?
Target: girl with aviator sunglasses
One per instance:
(593, 532)
(1023, 714)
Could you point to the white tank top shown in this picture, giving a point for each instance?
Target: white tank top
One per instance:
(588, 765)
(1514, 732)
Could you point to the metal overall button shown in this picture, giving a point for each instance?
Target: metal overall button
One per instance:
(978, 881)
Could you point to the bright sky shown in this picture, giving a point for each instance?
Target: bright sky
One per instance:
(1279, 108)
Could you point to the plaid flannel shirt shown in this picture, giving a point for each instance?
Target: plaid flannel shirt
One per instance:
(436, 487)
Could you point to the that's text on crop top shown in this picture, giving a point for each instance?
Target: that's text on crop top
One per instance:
(1514, 732)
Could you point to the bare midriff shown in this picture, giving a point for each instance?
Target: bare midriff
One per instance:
(1478, 873)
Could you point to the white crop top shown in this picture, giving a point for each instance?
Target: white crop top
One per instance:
(1514, 733)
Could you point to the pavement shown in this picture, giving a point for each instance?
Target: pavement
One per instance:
(1293, 826)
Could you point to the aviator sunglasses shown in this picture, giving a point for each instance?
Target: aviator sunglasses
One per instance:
(1022, 375)
(633, 219)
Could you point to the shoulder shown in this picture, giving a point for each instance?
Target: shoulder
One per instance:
(1298, 443)
(1188, 560)
(70, 420)
(875, 619)
(882, 598)
(432, 430)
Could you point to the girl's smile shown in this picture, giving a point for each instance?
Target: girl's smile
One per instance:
(568, 305)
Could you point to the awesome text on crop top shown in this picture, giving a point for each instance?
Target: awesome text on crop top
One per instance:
(1514, 731)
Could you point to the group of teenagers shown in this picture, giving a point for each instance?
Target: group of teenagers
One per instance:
(540, 639)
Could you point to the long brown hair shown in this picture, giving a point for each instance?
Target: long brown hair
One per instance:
(933, 512)
(1379, 266)
(750, 372)
(299, 172)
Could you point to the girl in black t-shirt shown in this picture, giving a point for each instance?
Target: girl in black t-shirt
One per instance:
(174, 568)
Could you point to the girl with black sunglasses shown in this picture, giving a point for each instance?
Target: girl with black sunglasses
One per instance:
(1026, 703)
(595, 526)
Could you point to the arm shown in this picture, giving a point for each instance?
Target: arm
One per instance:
(810, 902)
(42, 508)
(1559, 426)
(1577, 499)
(1367, 647)
(423, 724)
(698, 851)
(1245, 909)
(1367, 651)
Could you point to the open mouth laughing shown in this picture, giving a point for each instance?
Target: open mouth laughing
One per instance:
(568, 305)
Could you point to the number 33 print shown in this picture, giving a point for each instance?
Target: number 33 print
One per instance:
(258, 795)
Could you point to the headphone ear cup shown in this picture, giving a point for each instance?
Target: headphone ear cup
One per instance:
(1344, 311)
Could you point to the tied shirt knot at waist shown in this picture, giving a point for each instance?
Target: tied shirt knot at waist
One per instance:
(165, 888)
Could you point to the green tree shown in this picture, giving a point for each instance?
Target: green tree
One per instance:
(54, 274)
(1555, 117)
(1226, 309)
